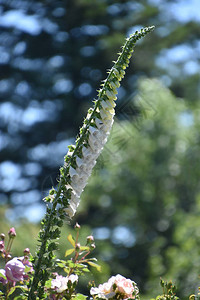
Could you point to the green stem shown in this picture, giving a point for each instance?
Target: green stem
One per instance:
(42, 251)
(118, 63)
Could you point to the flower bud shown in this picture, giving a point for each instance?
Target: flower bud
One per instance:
(78, 246)
(12, 233)
(90, 239)
(2, 236)
(26, 251)
(77, 226)
(92, 246)
(8, 256)
(91, 284)
(2, 246)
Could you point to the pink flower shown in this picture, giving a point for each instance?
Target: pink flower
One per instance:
(28, 266)
(104, 290)
(27, 263)
(2, 279)
(59, 284)
(90, 238)
(124, 286)
(12, 233)
(116, 285)
(26, 251)
(73, 278)
(14, 270)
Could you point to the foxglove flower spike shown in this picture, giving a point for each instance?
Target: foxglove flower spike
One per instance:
(92, 139)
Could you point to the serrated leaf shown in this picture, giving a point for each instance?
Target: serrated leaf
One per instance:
(98, 267)
(71, 240)
(69, 252)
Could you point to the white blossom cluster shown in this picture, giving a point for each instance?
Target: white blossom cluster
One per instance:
(97, 138)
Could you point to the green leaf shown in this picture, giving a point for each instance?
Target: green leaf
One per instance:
(80, 297)
(98, 267)
(61, 265)
(66, 270)
(2, 275)
(71, 264)
(48, 283)
(80, 266)
(12, 290)
(68, 252)
(92, 259)
(84, 248)
(20, 297)
(71, 240)
(86, 270)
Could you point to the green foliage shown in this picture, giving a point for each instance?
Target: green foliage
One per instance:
(80, 297)
(16, 286)
(147, 181)
(78, 264)
(168, 291)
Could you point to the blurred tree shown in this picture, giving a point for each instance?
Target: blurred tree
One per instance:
(53, 56)
(143, 190)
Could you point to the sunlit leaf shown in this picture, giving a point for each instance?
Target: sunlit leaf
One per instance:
(80, 297)
(20, 297)
(61, 264)
(68, 252)
(66, 270)
(84, 248)
(98, 267)
(2, 275)
(81, 266)
(71, 240)
(86, 270)
(71, 264)
(48, 283)
(92, 259)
